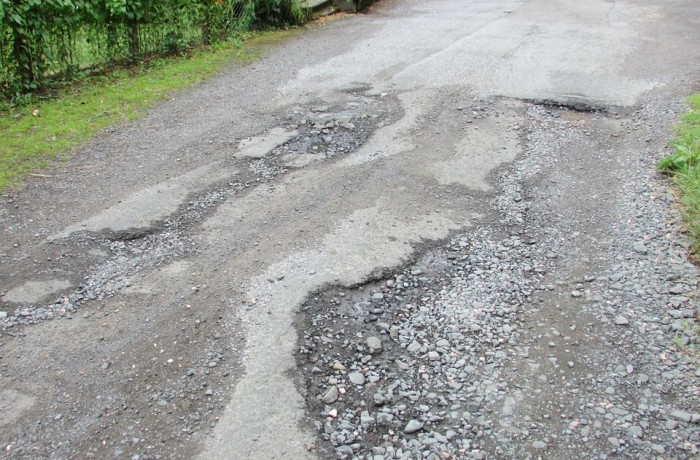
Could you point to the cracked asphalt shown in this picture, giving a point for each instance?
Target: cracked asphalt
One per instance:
(432, 230)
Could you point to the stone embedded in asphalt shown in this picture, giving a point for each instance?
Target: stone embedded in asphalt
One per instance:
(442, 343)
(640, 248)
(374, 344)
(684, 416)
(635, 431)
(366, 419)
(412, 426)
(414, 347)
(331, 395)
(677, 289)
(539, 445)
(356, 378)
(621, 321)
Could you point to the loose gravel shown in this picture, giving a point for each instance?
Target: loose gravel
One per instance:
(566, 327)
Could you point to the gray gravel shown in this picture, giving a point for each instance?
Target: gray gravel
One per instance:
(559, 329)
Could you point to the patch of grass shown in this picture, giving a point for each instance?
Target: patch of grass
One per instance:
(687, 340)
(33, 135)
(684, 166)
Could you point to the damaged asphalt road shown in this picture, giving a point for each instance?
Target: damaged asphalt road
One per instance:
(378, 241)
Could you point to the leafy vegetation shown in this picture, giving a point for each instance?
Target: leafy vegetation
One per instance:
(684, 338)
(32, 135)
(684, 166)
(44, 41)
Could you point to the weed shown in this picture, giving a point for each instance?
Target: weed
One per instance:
(683, 165)
(686, 145)
(687, 340)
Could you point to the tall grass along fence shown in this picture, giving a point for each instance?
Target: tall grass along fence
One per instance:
(44, 40)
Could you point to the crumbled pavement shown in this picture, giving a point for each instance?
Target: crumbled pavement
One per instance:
(546, 334)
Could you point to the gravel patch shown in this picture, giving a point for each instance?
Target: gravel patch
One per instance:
(565, 327)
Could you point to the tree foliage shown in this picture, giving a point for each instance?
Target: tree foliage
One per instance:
(47, 39)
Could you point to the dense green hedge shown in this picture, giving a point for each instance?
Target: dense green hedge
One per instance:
(49, 39)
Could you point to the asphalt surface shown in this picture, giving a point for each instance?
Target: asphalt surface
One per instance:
(160, 285)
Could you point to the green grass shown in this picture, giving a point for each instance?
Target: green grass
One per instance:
(684, 166)
(686, 341)
(33, 136)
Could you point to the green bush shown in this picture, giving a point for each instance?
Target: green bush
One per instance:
(45, 40)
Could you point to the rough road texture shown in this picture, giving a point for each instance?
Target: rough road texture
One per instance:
(430, 231)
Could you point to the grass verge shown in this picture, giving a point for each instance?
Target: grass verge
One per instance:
(33, 135)
(683, 165)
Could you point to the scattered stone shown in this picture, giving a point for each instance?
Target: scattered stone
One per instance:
(413, 426)
(356, 378)
(457, 334)
(331, 395)
(640, 248)
(374, 344)
(414, 347)
(621, 321)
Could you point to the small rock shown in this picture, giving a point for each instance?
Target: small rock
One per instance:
(539, 445)
(374, 344)
(621, 321)
(682, 416)
(413, 347)
(331, 395)
(442, 343)
(640, 248)
(356, 378)
(412, 426)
